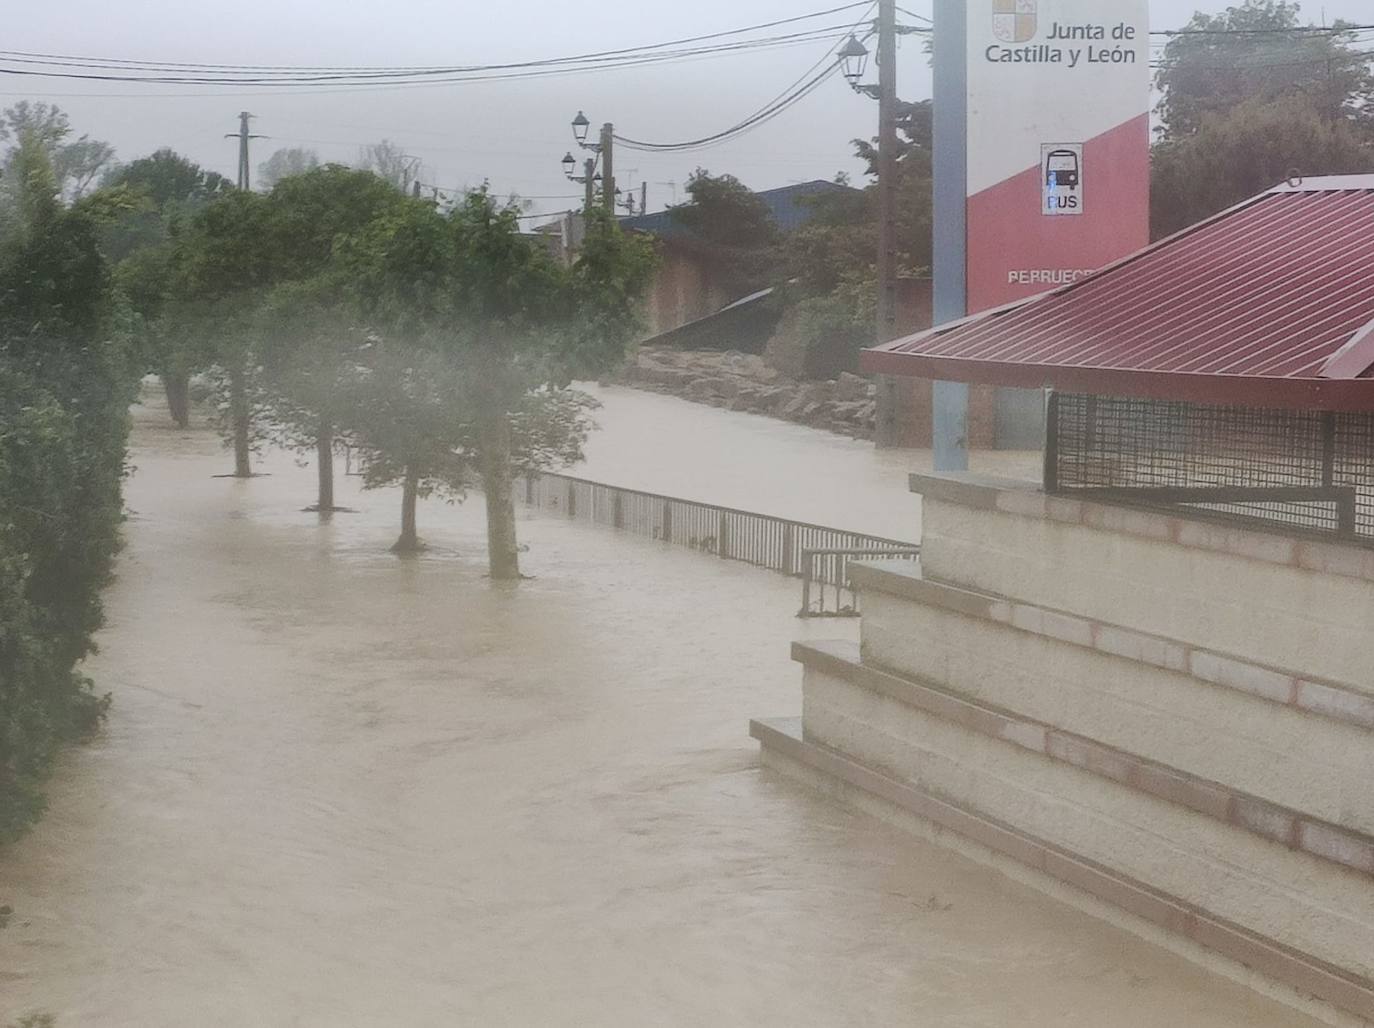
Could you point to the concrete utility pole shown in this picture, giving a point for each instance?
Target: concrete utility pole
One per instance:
(608, 167)
(243, 136)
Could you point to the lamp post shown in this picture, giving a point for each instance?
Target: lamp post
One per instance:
(602, 150)
(587, 178)
(853, 58)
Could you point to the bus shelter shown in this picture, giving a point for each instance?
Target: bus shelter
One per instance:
(1227, 370)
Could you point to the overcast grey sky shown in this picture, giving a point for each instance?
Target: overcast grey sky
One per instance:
(510, 133)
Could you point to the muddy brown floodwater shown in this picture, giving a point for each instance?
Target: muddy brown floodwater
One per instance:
(342, 789)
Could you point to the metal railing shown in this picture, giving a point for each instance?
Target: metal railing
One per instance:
(818, 555)
(825, 573)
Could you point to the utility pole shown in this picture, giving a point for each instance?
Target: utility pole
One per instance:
(589, 179)
(887, 171)
(892, 411)
(644, 198)
(242, 135)
(608, 167)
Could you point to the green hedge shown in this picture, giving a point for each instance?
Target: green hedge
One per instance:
(65, 389)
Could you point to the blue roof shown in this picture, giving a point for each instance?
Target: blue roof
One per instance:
(784, 203)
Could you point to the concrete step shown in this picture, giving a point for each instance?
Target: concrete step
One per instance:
(1284, 600)
(1276, 874)
(911, 804)
(1293, 741)
(836, 666)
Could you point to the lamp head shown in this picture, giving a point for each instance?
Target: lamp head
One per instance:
(853, 60)
(580, 125)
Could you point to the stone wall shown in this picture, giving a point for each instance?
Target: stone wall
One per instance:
(744, 382)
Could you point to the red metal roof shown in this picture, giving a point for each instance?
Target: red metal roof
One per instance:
(1268, 304)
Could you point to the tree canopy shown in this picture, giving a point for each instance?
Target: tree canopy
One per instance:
(1251, 97)
(75, 162)
(1258, 52)
(725, 212)
(284, 163)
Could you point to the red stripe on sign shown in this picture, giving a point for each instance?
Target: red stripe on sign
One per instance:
(1016, 251)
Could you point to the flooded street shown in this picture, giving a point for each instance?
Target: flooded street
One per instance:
(338, 788)
(662, 444)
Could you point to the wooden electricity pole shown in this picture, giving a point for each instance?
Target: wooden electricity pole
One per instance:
(887, 171)
(891, 410)
(608, 168)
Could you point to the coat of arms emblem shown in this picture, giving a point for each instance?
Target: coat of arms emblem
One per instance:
(1013, 21)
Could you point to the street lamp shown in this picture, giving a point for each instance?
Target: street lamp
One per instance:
(602, 149)
(569, 162)
(853, 60)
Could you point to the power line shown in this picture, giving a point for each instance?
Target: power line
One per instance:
(795, 92)
(485, 73)
(233, 74)
(1311, 30)
(753, 121)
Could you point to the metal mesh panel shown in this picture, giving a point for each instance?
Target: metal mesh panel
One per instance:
(1304, 471)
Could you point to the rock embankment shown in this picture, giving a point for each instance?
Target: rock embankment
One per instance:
(742, 381)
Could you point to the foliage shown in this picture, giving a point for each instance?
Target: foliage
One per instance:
(725, 212)
(222, 265)
(402, 415)
(284, 163)
(508, 328)
(390, 163)
(169, 180)
(1248, 101)
(828, 266)
(732, 223)
(75, 162)
(171, 187)
(1244, 56)
(64, 393)
(1234, 156)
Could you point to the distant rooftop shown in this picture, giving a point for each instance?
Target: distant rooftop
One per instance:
(785, 203)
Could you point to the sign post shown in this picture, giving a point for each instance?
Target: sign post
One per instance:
(1042, 157)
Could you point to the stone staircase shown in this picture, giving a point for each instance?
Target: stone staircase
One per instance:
(1175, 717)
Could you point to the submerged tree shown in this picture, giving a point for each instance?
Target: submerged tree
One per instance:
(171, 188)
(310, 329)
(406, 418)
(515, 325)
(222, 266)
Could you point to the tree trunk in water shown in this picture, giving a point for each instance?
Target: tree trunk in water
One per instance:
(178, 387)
(324, 450)
(409, 541)
(238, 410)
(503, 557)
